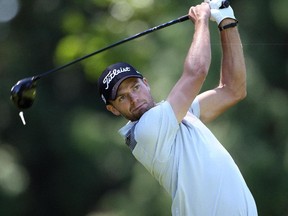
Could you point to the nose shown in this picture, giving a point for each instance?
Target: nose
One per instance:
(133, 98)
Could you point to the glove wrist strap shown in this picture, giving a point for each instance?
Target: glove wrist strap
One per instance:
(230, 25)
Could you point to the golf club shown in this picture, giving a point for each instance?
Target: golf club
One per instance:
(23, 93)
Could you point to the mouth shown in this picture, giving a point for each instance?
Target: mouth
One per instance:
(138, 108)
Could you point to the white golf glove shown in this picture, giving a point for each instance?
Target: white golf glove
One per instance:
(218, 14)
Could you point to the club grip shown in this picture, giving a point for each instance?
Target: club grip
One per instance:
(225, 4)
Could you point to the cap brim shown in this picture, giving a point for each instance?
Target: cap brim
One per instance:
(116, 86)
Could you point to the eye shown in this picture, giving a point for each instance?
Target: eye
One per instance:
(136, 87)
(121, 98)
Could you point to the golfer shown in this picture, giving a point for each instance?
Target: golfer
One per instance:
(170, 138)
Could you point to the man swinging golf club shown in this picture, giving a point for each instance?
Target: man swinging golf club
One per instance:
(170, 138)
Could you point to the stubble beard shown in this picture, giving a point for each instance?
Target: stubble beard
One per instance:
(142, 110)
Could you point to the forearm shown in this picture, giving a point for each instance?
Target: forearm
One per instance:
(198, 58)
(233, 69)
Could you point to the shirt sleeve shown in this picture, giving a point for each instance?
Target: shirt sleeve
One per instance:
(155, 134)
(195, 108)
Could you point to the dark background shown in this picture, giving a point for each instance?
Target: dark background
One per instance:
(70, 160)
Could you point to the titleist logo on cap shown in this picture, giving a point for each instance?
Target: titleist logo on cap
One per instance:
(112, 77)
(112, 74)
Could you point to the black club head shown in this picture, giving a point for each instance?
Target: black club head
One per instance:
(23, 93)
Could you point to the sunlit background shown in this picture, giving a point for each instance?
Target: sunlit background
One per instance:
(69, 158)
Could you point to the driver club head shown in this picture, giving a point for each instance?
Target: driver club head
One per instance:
(23, 93)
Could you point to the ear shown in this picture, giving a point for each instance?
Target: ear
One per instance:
(145, 81)
(112, 109)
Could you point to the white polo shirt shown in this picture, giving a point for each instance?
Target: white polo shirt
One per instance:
(190, 163)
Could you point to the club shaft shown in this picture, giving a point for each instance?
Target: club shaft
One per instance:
(164, 25)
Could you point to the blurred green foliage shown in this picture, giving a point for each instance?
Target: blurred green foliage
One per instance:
(69, 159)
